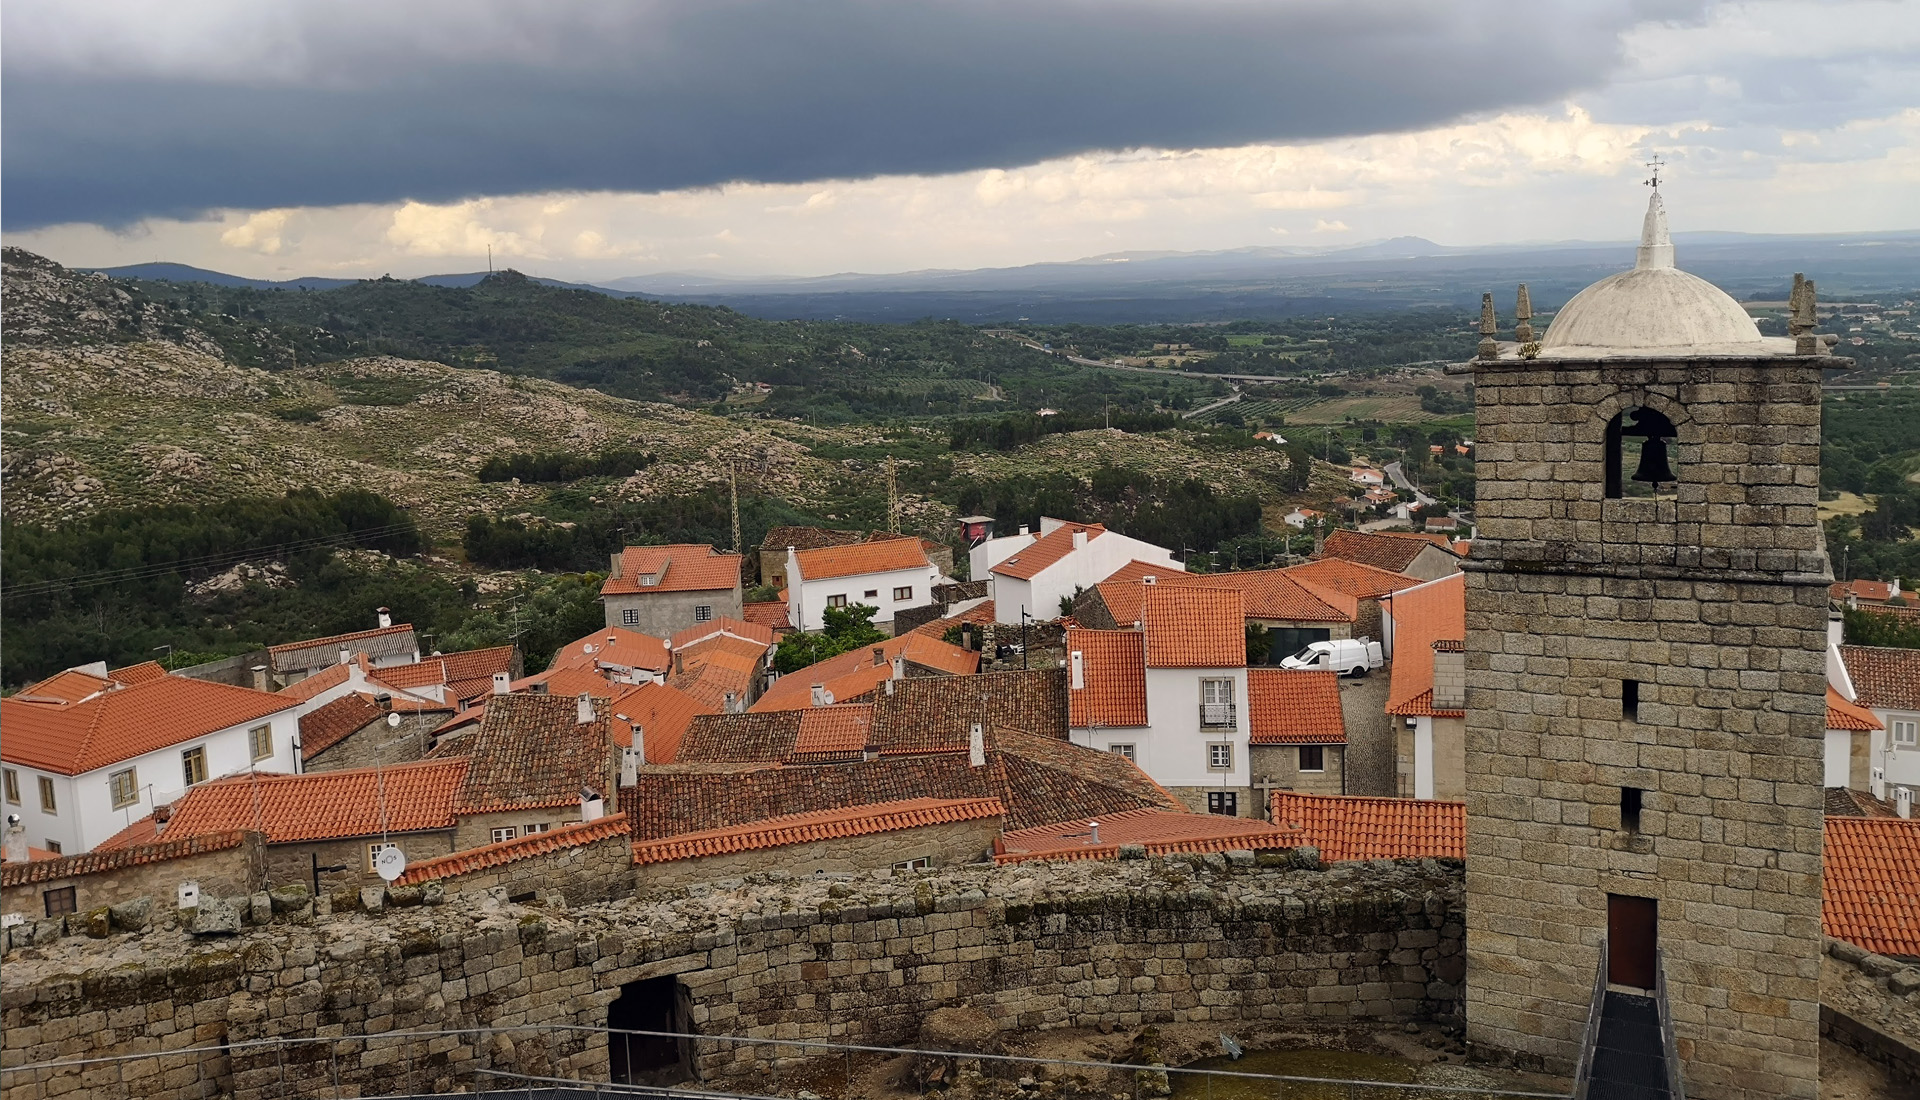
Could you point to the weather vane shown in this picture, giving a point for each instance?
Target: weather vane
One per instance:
(1653, 181)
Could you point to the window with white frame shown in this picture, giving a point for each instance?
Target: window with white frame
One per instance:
(903, 593)
(1313, 758)
(629, 616)
(1905, 733)
(48, 803)
(539, 827)
(260, 740)
(193, 765)
(1121, 750)
(1220, 756)
(1216, 702)
(373, 853)
(125, 787)
(505, 832)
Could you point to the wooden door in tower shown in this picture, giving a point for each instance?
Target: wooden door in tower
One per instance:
(1633, 930)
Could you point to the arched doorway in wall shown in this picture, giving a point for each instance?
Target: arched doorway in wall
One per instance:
(652, 1004)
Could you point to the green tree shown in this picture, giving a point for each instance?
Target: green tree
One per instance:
(845, 628)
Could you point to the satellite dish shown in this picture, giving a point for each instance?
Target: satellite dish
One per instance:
(393, 721)
(391, 864)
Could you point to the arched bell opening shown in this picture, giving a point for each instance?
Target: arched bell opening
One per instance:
(1639, 449)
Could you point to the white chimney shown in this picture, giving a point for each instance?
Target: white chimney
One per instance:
(977, 746)
(1877, 783)
(639, 747)
(1079, 670)
(1149, 579)
(501, 685)
(1079, 540)
(819, 695)
(592, 806)
(386, 617)
(731, 702)
(1093, 833)
(346, 655)
(1023, 529)
(630, 763)
(584, 708)
(899, 668)
(16, 843)
(1903, 801)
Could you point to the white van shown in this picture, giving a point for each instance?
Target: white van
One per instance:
(1346, 656)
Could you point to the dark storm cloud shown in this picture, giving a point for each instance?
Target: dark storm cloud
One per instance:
(438, 103)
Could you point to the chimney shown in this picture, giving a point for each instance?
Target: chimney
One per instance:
(583, 709)
(1023, 529)
(977, 746)
(1149, 579)
(1093, 834)
(16, 842)
(1449, 676)
(879, 656)
(639, 739)
(346, 655)
(613, 569)
(819, 695)
(162, 814)
(1079, 540)
(679, 665)
(730, 703)
(540, 688)
(1079, 665)
(1903, 801)
(260, 678)
(592, 806)
(501, 685)
(899, 668)
(386, 617)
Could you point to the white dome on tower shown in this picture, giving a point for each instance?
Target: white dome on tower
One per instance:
(1655, 308)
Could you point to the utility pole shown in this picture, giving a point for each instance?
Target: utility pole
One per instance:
(893, 500)
(733, 492)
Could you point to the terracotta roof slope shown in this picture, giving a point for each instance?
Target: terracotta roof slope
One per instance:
(307, 687)
(739, 628)
(1113, 669)
(856, 673)
(1842, 715)
(936, 713)
(613, 646)
(68, 686)
(1346, 827)
(450, 668)
(1192, 627)
(1883, 676)
(125, 723)
(503, 852)
(1285, 707)
(1276, 594)
(325, 727)
(1046, 779)
(741, 738)
(115, 859)
(403, 798)
(858, 559)
(1381, 551)
(663, 715)
(771, 614)
(1870, 883)
(533, 751)
(1160, 832)
(837, 731)
(1046, 550)
(137, 674)
(1432, 612)
(802, 828)
(1356, 579)
(684, 567)
(1136, 571)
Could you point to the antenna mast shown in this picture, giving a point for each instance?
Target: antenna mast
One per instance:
(733, 491)
(893, 501)
(489, 257)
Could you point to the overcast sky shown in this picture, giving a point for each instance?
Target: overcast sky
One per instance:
(591, 140)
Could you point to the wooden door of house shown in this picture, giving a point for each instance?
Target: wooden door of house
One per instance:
(1632, 935)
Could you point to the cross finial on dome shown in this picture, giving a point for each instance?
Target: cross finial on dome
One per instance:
(1656, 164)
(1656, 247)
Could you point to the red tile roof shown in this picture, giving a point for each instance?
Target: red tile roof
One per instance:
(1192, 627)
(1870, 884)
(839, 730)
(327, 726)
(137, 674)
(1356, 579)
(404, 798)
(1113, 667)
(719, 666)
(1381, 550)
(306, 688)
(143, 831)
(753, 632)
(533, 751)
(1136, 570)
(1045, 551)
(768, 613)
(684, 567)
(1161, 832)
(71, 738)
(803, 828)
(862, 558)
(513, 851)
(1883, 676)
(384, 640)
(1876, 591)
(70, 686)
(1350, 828)
(662, 713)
(115, 859)
(613, 646)
(855, 673)
(1432, 612)
(1271, 594)
(1842, 715)
(450, 669)
(936, 713)
(1285, 707)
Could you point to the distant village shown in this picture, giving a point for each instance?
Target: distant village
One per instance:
(1085, 697)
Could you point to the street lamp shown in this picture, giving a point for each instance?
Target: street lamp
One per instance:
(1024, 616)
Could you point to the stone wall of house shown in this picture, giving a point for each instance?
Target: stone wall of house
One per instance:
(597, 871)
(293, 864)
(1871, 1003)
(1280, 766)
(949, 844)
(476, 830)
(378, 744)
(227, 872)
(858, 959)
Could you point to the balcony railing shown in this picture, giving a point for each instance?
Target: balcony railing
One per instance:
(1217, 716)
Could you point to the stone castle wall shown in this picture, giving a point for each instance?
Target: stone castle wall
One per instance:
(856, 959)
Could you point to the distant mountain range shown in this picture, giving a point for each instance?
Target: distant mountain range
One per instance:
(1269, 281)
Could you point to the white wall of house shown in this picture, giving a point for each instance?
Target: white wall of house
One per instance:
(1423, 757)
(84, 811)
(1899, 755)
(807, 601)
(1092, 560)
(1172, 747)
(982, 558)
(1839, 758)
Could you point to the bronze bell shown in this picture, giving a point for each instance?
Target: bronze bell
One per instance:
(1654, 431)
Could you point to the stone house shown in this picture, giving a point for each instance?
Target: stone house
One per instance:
(659, 590)
(1033, 576)
(583, 863)
(1886, 681)
(1426, 557)
(535, 762)
(1297, 732)
(362, 731)
(1426, 627)
(884, 574)
(385, 645)
(904, 835)
(217, 865)
(88, 751)
(770, 559)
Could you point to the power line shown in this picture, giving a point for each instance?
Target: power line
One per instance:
(228, 557)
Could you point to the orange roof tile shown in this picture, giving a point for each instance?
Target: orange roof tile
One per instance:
(1345, 827)
(613, 646)
(1428, 613)
(143, 831)
(1278, 594)
(137, 674)
(325, 727)
(722, 665)
(1113, 667)
(385, 639)
(663, 714)
(1377, 549)
(1870, 883)
(324, 805)
(1136, 570)
(840, 730)
(861, 558)
(856, 672)
(683, 567)
(449, 669)
(1285, 707)
(774, 832)
(564, 681)
(1356, 579)
(1192, 627)
(1883, 676)
(1878, 591)
(1045, 551)
(70, 686)
(1161, 832)
(768, 613)
(753, 632)
(515, 850)
(533, 751)
(1842, 715)
(40, 869)
(71, 738)
(310, 686)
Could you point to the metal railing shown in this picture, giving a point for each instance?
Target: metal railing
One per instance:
(395, 1064)
(1669, 1049)
(1590, 1038)
(1215, 716)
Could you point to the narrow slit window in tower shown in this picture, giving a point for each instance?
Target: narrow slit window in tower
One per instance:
(1630, 700)
(1630, 809)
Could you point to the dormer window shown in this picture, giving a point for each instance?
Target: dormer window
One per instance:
(1638, 443)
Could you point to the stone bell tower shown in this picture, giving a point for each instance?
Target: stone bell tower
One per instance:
(1646, 617)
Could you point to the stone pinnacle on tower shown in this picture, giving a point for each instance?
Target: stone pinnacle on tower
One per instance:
(1489, 327)
(1523, 312)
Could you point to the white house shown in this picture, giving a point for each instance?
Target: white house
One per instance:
(1301, 518)
(1171, 696)
(1067, 557)
(886, 574)
(1886, 681)
(1365, 475)
(88, 752)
